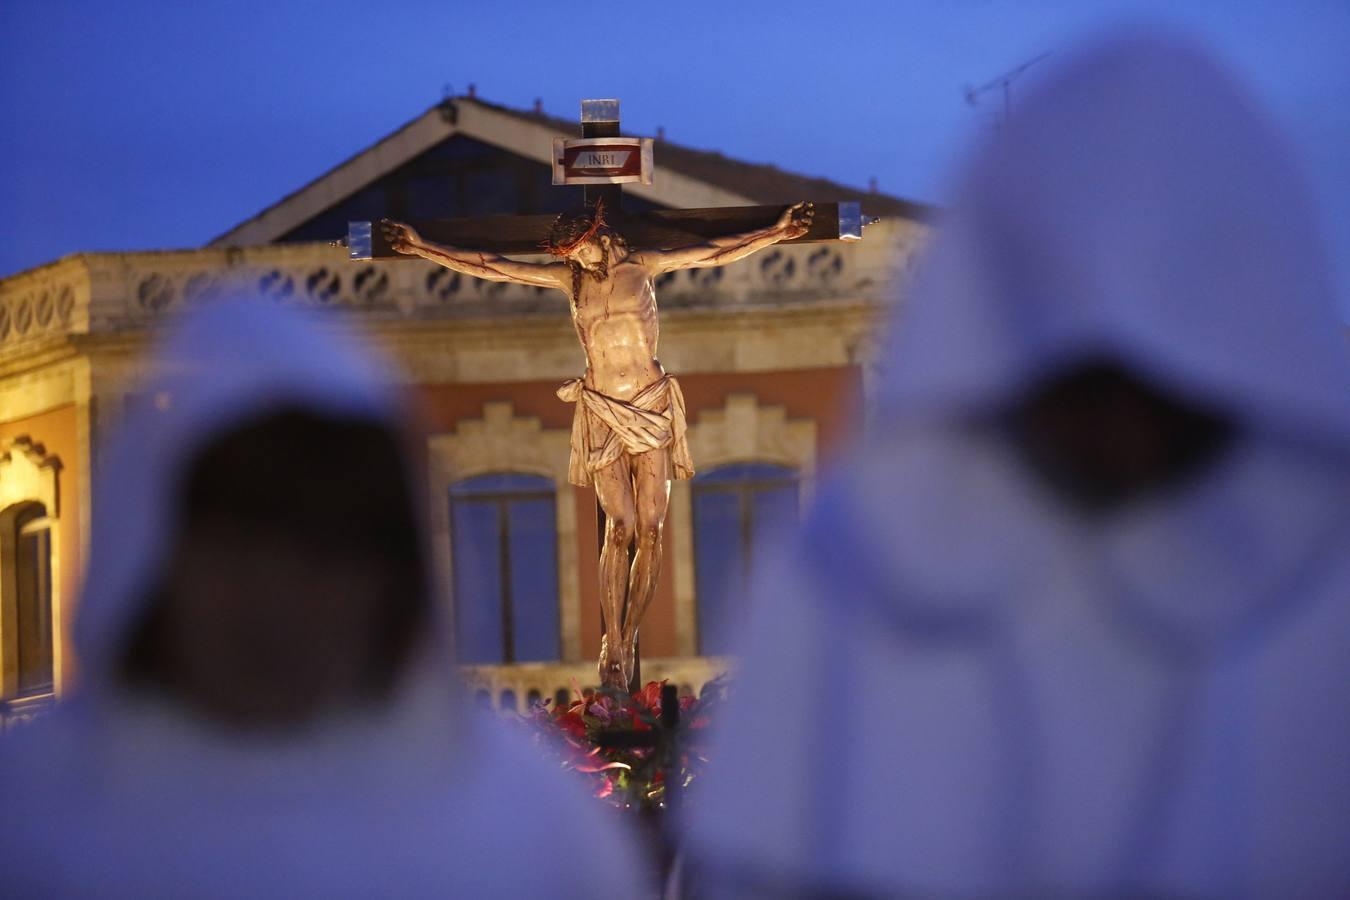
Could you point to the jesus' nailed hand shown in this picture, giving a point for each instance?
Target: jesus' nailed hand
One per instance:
(613, 304)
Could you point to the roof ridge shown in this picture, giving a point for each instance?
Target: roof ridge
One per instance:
(762, 182)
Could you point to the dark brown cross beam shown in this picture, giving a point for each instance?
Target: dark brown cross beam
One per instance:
(656, 230)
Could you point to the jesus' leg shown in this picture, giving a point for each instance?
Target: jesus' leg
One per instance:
(651, 490)
(614, 489)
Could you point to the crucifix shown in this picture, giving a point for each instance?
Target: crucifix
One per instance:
(628, 430)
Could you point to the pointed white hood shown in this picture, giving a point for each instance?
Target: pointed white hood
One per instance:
(220, 367)
(1138, 207)
(953, 684)
(123, 794)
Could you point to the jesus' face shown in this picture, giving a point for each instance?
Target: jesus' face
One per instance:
(590, 254)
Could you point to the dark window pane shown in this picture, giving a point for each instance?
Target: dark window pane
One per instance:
(33, 606)
(738, 473)
(772, 509)
(734, 508)
(719, 571)
(505, 560)
(475, 530)
(534, 578)
(501, 483)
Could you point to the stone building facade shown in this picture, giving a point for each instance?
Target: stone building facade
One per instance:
(774, 353)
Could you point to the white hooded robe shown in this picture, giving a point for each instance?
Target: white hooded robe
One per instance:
(955, 686)
(121, 795)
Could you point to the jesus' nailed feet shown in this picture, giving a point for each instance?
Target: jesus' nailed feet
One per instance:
(611, 668)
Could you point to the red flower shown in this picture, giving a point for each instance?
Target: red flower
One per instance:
(650, 696)
(625, 777)
(572, 723)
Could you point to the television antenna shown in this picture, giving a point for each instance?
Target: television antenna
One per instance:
(1003, 84)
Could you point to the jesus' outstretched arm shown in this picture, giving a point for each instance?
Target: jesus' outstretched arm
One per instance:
(488, 266)
(793, 223)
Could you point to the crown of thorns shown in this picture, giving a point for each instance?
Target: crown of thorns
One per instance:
(565, 247)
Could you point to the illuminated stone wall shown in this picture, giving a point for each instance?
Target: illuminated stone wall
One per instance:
(775, 353)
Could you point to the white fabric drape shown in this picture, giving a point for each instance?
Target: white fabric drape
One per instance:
(952, 686)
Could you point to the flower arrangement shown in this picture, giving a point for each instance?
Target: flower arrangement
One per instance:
(617, 740)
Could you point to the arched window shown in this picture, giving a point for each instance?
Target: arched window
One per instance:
(26, 571)
(504, 546)
(733, 507)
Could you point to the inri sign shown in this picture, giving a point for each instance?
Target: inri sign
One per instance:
(608, 160)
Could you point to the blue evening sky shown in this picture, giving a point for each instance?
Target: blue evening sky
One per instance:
(139, 125)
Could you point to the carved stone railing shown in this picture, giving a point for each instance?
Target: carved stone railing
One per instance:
(113, 292)
(515, 687)
(17, 712)
(49, 301)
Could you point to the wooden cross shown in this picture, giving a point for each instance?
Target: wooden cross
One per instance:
(656, 230)
(662, 229)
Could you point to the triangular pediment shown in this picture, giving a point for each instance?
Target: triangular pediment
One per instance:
(465, 157)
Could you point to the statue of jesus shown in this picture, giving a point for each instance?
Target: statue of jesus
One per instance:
(628, 432)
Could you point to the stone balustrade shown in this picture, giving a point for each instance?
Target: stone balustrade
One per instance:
(514, 687)
(506, 687)
(113, 292)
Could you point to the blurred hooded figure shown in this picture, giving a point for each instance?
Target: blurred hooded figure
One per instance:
(1075, 619)
(265, 706)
